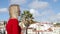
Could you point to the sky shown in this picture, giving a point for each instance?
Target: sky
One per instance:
(42, 10)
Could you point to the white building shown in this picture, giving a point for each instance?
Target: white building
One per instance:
(2, 27)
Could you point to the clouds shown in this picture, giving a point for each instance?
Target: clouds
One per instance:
(17, 1)
(35, 6)
(45, 15)
(58, 16)
(34, 12)
(38, 4)
(3, 9)
(55, 0)
(55, 18)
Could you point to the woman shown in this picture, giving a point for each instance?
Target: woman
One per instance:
(12, 26)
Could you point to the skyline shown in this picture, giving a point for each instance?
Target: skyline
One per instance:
(42, 10)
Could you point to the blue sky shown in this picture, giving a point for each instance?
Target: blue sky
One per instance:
(42, 10)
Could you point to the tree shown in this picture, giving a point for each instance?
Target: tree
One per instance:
(57, 24)
(28, 18)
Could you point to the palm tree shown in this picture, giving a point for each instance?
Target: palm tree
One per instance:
(27, 17)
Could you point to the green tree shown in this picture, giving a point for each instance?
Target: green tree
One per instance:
(27, 17)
